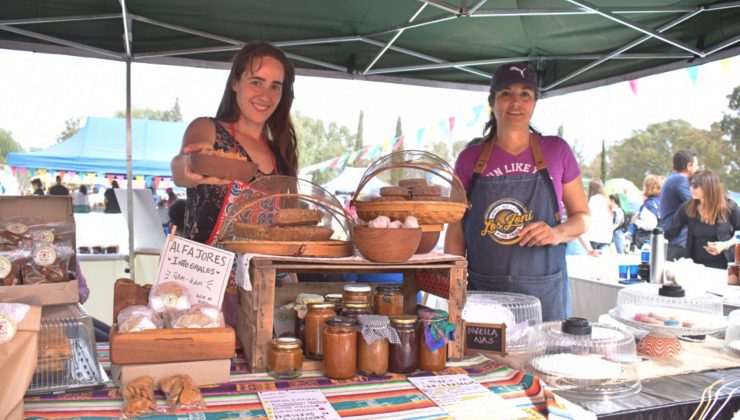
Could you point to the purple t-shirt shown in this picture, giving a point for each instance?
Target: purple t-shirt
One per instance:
(561, 163)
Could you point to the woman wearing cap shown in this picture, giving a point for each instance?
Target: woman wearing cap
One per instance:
(516, 179)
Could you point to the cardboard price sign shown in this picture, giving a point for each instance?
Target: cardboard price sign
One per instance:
(203, 269)
(486, 337)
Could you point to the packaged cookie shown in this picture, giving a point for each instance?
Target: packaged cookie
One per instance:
(49, 263)
(52, 232)
(11, 263)
(11, 234)
(199, 316)
(169, 295)
(181, 393)
(138, 318)
(139, 397)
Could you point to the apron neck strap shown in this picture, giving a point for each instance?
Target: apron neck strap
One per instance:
(485, 154)
(539, 160)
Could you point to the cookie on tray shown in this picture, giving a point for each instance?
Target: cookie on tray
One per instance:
(394, 192)
(412, 182)
(298, 217)
(263, 232)
(428, 190)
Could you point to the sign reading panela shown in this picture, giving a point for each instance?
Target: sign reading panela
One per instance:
(203, 269)
(486, 337)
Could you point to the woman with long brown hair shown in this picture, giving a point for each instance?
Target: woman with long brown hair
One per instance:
(711, 218)
(252, 120)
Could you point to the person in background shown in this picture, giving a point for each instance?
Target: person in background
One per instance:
(37, 187)
(171, 198)
(674, 193)
(648, 217)
(176, 213)
(252, 120)
(58, 188)
(600, 232)
(81, 201)
(617, 223)
(516, 180)
(111, 202)
(710, 219)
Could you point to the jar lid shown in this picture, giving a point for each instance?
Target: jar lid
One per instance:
(333, 297)
(389, 288)
(356, 305)
(321, 305)
(306, 298)
(403, 319)
(357, 287)
(341, 321)
(286, 343)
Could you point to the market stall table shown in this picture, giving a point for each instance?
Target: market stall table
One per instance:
(390, 396)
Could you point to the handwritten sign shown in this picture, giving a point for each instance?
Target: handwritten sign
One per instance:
(310, 404)
(486, 337)
(463, 398)
(203, 269)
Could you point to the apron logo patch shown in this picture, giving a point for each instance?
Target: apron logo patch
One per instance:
(504, 219)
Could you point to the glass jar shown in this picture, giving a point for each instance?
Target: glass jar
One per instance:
(336, 299)
(340, 348)
(285, 358)
(357, 293)
(372, 344)
(388, 300)
(430, 360)
(733, 272)
(434, 360)
(402, 356)
(315, 320)
(353, 310)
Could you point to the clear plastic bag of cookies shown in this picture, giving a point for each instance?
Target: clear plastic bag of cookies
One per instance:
(138, 318)
(199, 316)
(138, 398)
(52, 232)
(12, 262)
(181, 393)
(169, 295)
(15, 231)
(49, 263)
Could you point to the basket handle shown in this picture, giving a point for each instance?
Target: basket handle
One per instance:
(453, 178)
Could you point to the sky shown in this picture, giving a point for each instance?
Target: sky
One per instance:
(39, 92)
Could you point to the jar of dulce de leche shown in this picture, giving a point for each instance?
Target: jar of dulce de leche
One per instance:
(285, 358)
(388, 300)
(340, 348)
(318, 313)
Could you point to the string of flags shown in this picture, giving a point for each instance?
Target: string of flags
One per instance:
(693, 73)
(48, 177)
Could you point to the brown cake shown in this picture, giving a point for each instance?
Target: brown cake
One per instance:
(412, 182)
(54, 350)
(263, 232)
(426, 190)
(298, 217)
(394, 192)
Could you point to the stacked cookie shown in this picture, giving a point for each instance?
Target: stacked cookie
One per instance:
(290, 225)
(415, 189)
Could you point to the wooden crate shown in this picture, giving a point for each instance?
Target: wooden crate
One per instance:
(171, 345)
(255, 320)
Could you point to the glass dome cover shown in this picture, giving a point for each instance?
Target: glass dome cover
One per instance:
(732, 336)
(516, 310)
(426, 188)
(590, 360)
(669, 310)
(276, 211)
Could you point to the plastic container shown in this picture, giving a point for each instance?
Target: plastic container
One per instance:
(657, 256)
(516, 310)
(581, 359)
(645, 253)
(67, 358)
(732, 336)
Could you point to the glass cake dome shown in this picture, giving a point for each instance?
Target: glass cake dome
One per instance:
(516, 310)
(732, 336)
(669, 310)
(583, 359)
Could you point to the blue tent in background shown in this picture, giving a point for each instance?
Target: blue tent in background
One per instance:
(100, 147)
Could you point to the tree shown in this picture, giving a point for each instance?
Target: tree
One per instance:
(71, 126)
(318, 143)
(397, 174)
(8, 145)
(359, 136)
(730, 130)
(173, 114)
(603, 160)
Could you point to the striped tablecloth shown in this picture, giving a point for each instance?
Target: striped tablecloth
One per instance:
(387, 397)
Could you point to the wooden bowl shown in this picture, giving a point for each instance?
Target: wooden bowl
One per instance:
(209, 165)
(387, 245)
(428, 242)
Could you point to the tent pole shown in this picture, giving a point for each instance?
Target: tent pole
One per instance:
(129, 183)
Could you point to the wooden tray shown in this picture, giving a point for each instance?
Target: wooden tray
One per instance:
(171, 345)
(332, 248)
(426, 212)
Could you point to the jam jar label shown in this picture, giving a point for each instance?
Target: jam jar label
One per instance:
(7, 328)
(5, 267)
(44, 256)
(17, 228)
(44, 235)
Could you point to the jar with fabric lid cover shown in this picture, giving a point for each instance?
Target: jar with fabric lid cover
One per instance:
(372, 344)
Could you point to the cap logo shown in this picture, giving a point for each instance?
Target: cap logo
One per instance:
(520, 70)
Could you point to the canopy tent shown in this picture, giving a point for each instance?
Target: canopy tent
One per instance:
(100, 146)
(575, 44)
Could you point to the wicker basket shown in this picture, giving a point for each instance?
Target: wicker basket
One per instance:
(426, 212)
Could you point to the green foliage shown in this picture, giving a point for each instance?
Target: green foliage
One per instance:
(396, 175)
(172, 114)
(8, 145)
(603, 160)
(317, 143)
(71, 126)
(730, 130)
(359, 135)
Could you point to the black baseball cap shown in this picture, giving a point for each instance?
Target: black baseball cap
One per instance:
(510, 73)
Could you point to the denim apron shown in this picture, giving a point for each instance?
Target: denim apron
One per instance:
(500, 207)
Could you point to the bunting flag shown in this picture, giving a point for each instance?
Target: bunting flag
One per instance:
(352, 158)
(398, 143)
(693, 73)
(333, 162)
(725, 64)
(633, 86)
(343, 161)
(419, 135)
(477, 111)
(364, 152)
